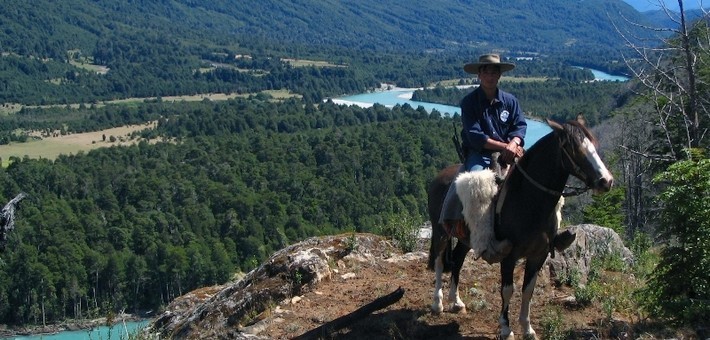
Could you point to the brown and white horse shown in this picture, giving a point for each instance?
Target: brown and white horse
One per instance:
(526, 214)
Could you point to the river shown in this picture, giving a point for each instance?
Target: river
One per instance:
(401, 96)
(603, 76)
(118, 332)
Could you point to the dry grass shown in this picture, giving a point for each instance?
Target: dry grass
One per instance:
(554, 314)
(51, 147)
(457, 81)
(309, 63)
(91, 67)
(11, 108)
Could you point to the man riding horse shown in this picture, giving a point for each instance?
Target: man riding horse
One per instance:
(493, 122)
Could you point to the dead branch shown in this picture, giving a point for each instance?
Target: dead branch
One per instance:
(7, 218)
(326, 330)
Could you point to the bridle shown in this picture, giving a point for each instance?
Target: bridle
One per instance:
(576, 169)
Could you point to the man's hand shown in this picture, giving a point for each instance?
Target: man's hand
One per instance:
(511, 151)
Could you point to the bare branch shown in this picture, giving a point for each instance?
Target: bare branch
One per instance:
(649, 156)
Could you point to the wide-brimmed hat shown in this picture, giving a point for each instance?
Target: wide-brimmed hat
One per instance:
(488, 59)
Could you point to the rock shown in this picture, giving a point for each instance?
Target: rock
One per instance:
(347, 276)
(592, 242)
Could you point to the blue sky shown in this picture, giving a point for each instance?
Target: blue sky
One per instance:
(648, 5)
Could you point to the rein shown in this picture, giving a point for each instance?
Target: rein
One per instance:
(575, 191)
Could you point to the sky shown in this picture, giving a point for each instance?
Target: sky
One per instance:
(649, 5)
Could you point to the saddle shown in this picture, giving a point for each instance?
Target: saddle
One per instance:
(499, 168)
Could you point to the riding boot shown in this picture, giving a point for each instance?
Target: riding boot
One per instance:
(457, 229)
(563, 240)
(497, 251)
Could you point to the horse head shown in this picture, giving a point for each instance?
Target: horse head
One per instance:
(579, 154)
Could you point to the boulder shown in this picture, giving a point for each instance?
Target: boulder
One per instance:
(592, 243)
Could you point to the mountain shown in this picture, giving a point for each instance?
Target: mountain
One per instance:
(653, 11)
(92, 50)
(49, 28)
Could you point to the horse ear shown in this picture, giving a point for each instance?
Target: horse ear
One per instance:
(554, 125)
(581, 120)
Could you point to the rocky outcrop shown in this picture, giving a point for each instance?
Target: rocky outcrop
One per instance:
(246, 308)
(592, 243)
(224, 312)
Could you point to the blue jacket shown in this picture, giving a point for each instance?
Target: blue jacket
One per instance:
(502, 120)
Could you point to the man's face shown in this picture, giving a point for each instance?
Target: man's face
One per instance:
(489, 75)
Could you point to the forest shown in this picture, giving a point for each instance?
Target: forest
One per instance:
(133, 227)
(218, 186)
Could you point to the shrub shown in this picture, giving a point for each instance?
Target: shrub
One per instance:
(403, 229)
(679, 287)
(551, 324)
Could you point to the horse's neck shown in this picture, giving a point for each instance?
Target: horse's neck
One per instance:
(544, 165)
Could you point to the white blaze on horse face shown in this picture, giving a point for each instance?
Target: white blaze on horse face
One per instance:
(593, 157)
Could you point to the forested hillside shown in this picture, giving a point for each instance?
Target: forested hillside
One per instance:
(133, 227)
(87, 51)
(541, 26)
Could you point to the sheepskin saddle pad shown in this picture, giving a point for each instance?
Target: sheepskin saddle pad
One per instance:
(477, 191)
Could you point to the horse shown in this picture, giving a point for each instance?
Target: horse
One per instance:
(526, 213)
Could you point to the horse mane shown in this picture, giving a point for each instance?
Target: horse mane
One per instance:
(573, 128)
(580, 127)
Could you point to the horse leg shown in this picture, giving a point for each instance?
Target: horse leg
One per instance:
(442, 245)
(532, 267)
(459, 255)
(506, 292)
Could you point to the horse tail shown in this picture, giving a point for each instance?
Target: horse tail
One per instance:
(436, 192)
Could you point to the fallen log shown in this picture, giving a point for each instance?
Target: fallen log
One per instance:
(325, 330)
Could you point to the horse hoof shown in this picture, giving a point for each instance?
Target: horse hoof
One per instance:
(510, 336)
(531, 336)
(437, 308)
(456, 308)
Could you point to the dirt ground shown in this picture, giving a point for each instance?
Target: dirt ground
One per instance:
(554, 314)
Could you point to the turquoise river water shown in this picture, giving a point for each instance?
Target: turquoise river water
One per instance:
(116, 332)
